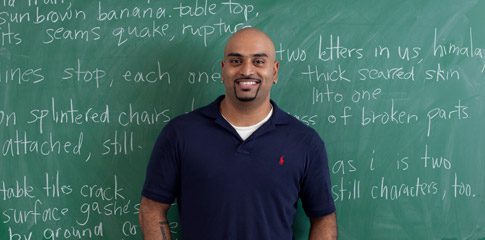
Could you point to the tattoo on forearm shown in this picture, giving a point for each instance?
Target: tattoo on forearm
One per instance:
(162, 229)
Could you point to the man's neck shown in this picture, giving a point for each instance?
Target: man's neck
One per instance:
(244, 113)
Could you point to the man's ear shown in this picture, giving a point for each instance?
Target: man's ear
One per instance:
(276, 67)
(222, 66)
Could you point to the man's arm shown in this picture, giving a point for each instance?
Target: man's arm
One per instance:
(153, 220)
(323, 228)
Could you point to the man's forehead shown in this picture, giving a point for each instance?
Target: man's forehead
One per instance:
(249, 42)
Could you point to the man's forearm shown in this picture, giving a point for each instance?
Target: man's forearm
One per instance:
(153, 220)
(324, 228)
(165, 230)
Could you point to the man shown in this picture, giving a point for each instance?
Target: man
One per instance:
(238, 166)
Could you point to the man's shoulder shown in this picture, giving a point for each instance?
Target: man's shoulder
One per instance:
(284, 118)
(195, 117)
(296, 128)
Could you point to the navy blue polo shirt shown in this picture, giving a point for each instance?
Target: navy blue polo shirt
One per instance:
(228, 188)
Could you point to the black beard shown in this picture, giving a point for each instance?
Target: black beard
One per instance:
(246, 99)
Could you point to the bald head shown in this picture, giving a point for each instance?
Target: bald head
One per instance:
(249, 69)
(251, 37)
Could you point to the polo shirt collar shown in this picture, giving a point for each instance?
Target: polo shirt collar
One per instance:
(212, 111)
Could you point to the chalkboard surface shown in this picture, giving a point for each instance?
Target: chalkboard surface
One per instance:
(395, 88)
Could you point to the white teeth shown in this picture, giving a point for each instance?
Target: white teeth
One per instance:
(247, 83)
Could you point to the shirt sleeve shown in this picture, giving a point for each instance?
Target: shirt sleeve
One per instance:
(316, 192)
(162, 175)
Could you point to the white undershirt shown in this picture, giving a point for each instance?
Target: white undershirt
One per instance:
(245, 132)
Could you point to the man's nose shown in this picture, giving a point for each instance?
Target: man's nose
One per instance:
(247, 68)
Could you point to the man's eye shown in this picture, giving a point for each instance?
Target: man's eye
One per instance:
(258, 61)
(234, 61)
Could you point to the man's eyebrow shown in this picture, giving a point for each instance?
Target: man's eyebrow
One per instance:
(252, 55)
(260, 55)
(234, 55)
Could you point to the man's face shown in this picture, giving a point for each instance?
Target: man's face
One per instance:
(249, 67)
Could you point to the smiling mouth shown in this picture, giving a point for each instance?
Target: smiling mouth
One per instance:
(247, 82)
(243, 87)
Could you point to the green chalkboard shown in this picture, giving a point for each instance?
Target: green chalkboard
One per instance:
(395, 88)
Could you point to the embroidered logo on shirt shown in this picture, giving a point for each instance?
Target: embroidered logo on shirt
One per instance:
(282, 160)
